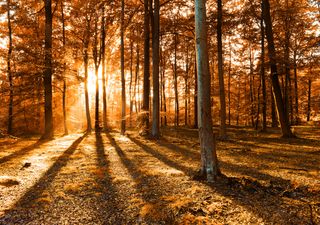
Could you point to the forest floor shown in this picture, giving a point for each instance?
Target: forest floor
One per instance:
(106, 178)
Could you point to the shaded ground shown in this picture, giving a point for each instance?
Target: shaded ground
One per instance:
(105, 178)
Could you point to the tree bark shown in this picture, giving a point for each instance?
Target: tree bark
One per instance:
(309, 100)
(48, 131)
(175, 77)
(296, 88)
(103, 61)
(64, 91)
(86, 64)
(263, 77)
(283, 117)
(10, 111)
(223, 129)
(209, 161)
(195, 100)
(123, 82)
(146, 75)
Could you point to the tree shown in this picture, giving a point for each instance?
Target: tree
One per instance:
(123, 82)
(209, 161)
(10, 111)
(48, 133)
(283, 116)
(146, 72)
(220, 72)
(155, 70)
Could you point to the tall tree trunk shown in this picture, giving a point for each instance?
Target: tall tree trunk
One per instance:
(209, 161)
(263, 78)
(251, 83)
(136, 79)
(186, 80)
(175, 77)
(123, 82)
(103, 61)
(163, 83)
(223, 129)
(296, 88)
(229, 85)
(131, 81)
(96, 58)
(10, 112)
(309, 100)
(283, 117)
(274, 120)
(48, 133)
(64, 90)
(146, 75)
(155, 70)
(195, 100)
(86, 64)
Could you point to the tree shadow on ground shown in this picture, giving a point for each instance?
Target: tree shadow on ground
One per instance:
(249, 193)
(20, 153)
(17, 214)
(148, 187)
(109, 200)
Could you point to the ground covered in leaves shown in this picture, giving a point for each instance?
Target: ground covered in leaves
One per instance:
(106, 178)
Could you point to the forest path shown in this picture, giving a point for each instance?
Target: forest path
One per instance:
(106, 178)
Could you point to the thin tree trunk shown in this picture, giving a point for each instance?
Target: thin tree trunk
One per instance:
(296, 88)
(146, 75)
(284, 121)
(175, 77)
(229, 85)
(155, 70)
(103, 62)
(273, 110)
(86, 64)
(209, 161)
(251, 83)
(195, 100)
(96, 58)
(131, 80)
(64, 91)
(10, 111)
(223, 129)
(123, 82)
(186, 79)
(263, 78)
(309, 100)
(48, 133)
(164, 89)
(136, 85)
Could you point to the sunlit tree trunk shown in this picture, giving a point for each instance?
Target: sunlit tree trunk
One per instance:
(64, 90)
(146, 75)
(186, 81)
(155, 70)
(86, 64)
(274, 121)
(283, 117)
(10, 112)
(209, 161)
(175, 77)
(309, 100)
(48, 130)
(163, 83)
(103, 62)
(263, 78)
(131, 81)
(123, 82)
(96, 59)
(136, 80)
(296, 88)
(195, 100)
(229, 85)
(223, 129)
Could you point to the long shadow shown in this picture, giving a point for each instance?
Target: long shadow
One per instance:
(37, 189)
(161, 157)
(152, 195)
(109, 196)
(22, 152)
(246, 192)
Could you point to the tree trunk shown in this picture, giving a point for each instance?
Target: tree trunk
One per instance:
(155, 70)
(195, 100)
(223, 129)
(263, 78)
(229, 85)
(10, 112)
(273, 110)
(146, 75)
(296, 89)
(48, 133)
(86, 64)
(283, 117)
(103, 62)
(64, 91)
(186, 80)
(136, 76)
(123, 82)
(131, 80)
(209, 161)
(309, 100)
(175, 77)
